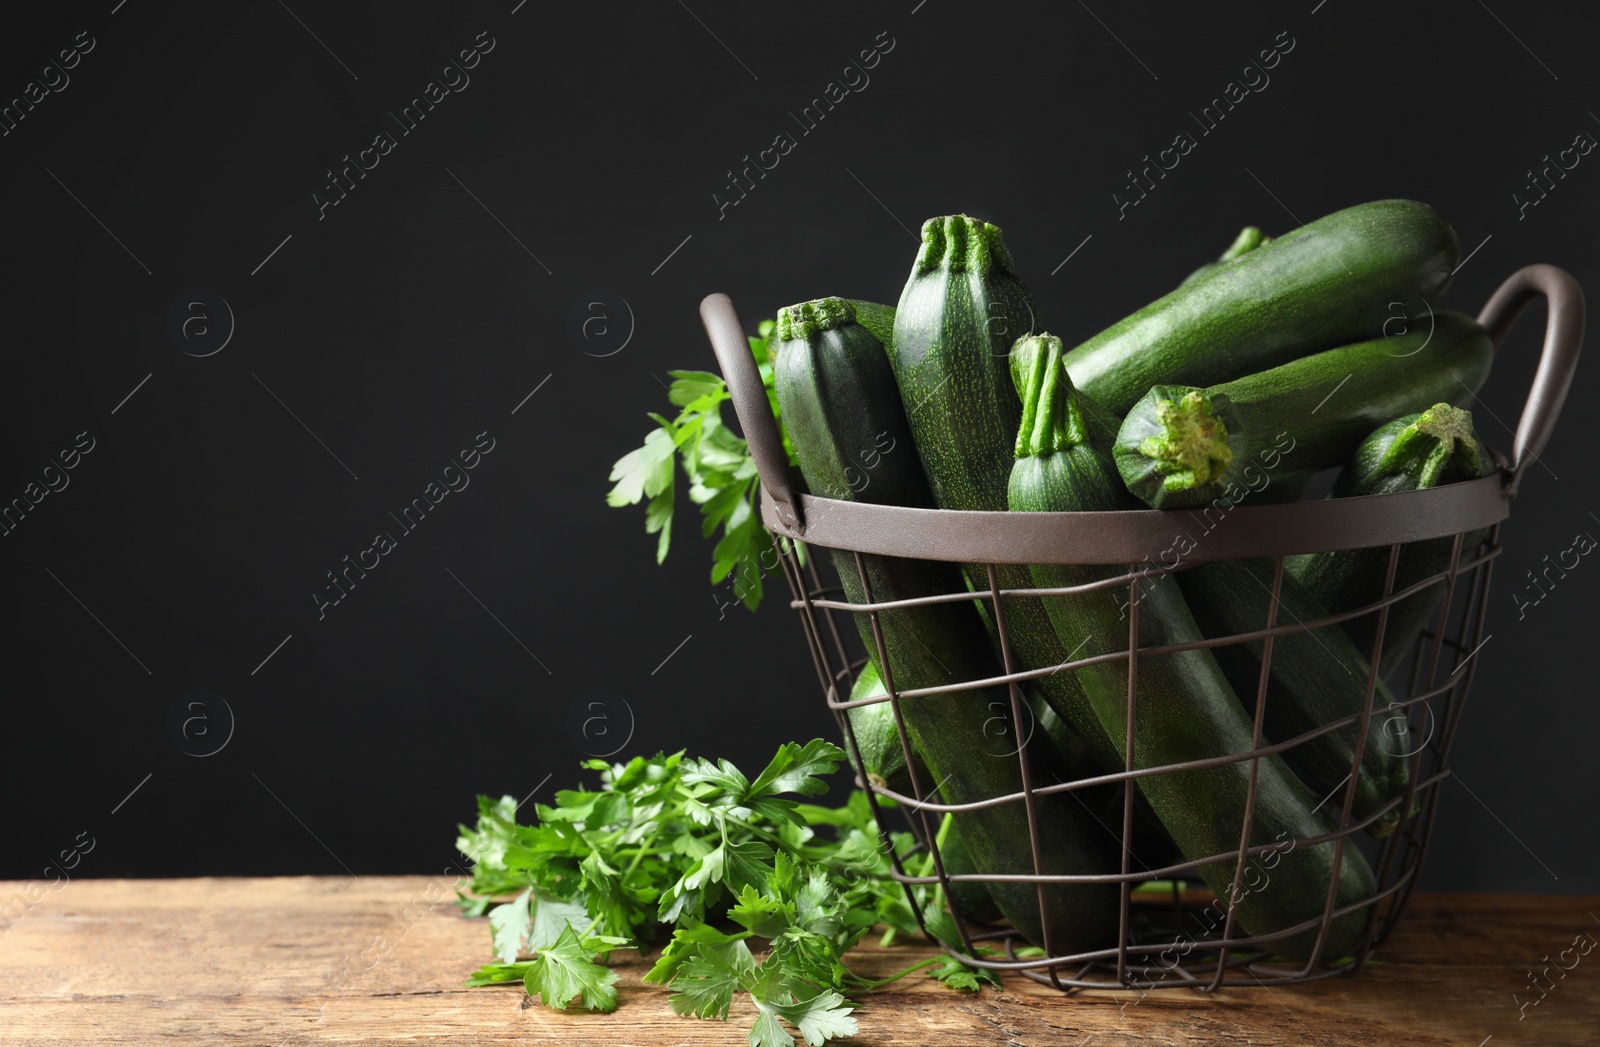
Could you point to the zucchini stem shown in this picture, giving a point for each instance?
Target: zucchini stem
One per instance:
(809, 319)
(1192, 448)
(1439, 435)
(1052, 412)
(1249, 238)
(960, 243)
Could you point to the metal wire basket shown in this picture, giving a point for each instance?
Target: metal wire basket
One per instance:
(1426, 711)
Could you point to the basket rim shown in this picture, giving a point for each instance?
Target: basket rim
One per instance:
(1160, 537)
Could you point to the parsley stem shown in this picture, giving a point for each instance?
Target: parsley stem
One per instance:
(771, 837)
(644, 849)
(867, 986)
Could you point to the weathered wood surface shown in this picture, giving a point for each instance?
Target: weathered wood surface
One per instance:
(368, 961)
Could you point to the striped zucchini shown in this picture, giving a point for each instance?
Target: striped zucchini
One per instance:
(960, 313)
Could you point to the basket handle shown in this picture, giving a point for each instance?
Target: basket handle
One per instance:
(1563, 338)
(750, 404)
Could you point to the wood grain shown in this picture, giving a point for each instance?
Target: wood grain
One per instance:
(380, 960)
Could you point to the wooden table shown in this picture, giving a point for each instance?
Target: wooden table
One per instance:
(374, 961)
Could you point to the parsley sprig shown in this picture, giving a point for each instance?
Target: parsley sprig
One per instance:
(728, 873)
(721, 473)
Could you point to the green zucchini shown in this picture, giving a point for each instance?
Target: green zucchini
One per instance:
(962, 308)
(949, 358)
(1065, 753)
(879, 319)
(1315, 678)
(838, 396)
(1180, 446)
(1324, 284)
(885, 764)
(970, 900)
(1427, 449)
(883, 759)
(1186, 709)
(1248, 240)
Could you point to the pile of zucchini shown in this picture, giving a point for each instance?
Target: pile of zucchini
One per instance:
(1279, 361)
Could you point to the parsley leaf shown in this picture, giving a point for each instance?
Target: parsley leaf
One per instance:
(684, 946)
(667, 844)
(566, 969)
(721, 474)
(957, 975)
(824, 1015)
(747, 863)
(551, 916)
(706, 982)
(768, 1031)
(795, 768)
(761, 915)
(508, 924)
(644, 472)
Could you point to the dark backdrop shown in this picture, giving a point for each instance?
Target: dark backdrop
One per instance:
(582, 151)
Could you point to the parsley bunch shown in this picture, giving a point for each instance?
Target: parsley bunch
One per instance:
(721, 472)
(698, 857)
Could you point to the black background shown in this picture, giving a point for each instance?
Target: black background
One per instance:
(408, 319)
